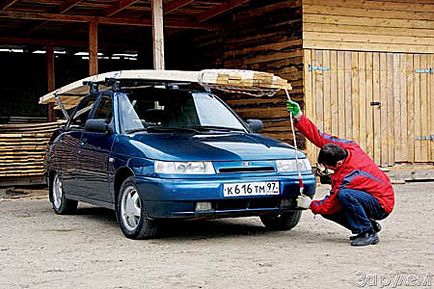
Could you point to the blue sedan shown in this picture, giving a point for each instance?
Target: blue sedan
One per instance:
(162, 152)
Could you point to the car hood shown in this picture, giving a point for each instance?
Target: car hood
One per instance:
(203, 147)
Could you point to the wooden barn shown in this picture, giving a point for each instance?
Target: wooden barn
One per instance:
(362, 69)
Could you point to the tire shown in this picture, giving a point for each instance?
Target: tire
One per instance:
(281, 222)
(60, 204)
(131, 213)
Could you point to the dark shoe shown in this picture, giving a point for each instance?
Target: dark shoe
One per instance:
(365, 239)
(352, 238)
(375, 225)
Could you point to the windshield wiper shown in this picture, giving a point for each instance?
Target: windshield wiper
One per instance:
(163, 129)
(195, 129)
(168, 129)
(218, 128)
(136, 130)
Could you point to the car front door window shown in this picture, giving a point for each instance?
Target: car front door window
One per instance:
(82, 113)
(104, 110)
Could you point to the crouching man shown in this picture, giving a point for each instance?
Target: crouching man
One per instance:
(361, 193)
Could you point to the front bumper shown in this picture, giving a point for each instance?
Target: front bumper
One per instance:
(177, 198)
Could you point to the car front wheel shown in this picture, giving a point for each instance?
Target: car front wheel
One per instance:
(131, 213)
(281, 222)
(61, 205)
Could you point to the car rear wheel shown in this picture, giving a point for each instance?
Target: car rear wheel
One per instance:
(61, 205)
(131, 213)
(281, 222)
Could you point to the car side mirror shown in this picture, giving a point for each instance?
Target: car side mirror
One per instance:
(255, 124)
(97, 125)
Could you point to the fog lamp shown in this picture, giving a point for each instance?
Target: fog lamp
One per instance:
(203, 206)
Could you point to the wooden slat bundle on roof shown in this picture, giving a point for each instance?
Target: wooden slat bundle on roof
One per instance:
(228, 79)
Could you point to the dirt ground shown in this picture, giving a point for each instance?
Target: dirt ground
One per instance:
(39, 249)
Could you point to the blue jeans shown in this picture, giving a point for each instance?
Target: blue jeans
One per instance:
(358, 208)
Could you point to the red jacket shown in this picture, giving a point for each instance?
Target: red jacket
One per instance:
(357, 172)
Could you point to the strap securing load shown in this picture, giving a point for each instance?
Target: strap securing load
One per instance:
(300, 179)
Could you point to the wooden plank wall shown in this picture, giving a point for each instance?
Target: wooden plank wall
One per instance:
(266, 37)
(373, 49)
(369, 25)
(342, 85)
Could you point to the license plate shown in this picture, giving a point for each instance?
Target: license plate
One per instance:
(251, 189)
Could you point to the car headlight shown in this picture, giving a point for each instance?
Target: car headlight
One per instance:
(291, 165)
(188, 168)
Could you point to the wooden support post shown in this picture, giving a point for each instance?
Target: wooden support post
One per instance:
(158, 34)
(93, 48)
(51, 80)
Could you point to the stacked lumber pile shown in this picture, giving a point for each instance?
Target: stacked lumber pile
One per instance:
(23, 148)
(26, 119)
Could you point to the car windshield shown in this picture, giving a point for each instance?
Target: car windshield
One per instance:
(162, 110)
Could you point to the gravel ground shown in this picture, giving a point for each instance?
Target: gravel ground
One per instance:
(39, 249)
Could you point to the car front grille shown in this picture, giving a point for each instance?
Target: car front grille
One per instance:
(247, 170)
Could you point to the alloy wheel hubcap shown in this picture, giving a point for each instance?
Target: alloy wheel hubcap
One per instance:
(130, 208)
(57, 192)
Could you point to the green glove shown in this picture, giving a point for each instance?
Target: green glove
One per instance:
(293, 107)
